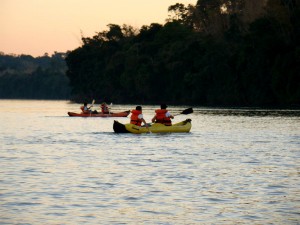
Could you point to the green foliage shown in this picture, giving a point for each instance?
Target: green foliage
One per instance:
(217, 53)
(33, 78)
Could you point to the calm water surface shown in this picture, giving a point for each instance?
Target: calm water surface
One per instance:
(234, 167)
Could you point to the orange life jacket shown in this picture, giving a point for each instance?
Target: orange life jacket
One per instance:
(104, 109)
(134, 119)
(161, 117)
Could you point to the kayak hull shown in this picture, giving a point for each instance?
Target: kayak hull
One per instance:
(119, 114)
(181, 127)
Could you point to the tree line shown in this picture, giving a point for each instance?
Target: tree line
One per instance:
(26, 77)
(214, 53)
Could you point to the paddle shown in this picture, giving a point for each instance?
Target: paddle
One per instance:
(92, 105)
(93, 102)
(186, 111)
(109, 108)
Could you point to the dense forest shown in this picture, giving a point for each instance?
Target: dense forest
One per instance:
(26, 77)
(213, 53)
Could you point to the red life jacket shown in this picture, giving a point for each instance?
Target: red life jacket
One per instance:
(161, 117)
(134, 119)
(104, 109)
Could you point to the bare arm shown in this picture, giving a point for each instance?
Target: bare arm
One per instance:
(144, 121)
(153, 119)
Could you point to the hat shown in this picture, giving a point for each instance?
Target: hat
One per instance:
(163, 106)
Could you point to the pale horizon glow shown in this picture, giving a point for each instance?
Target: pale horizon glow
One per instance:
(36, 27)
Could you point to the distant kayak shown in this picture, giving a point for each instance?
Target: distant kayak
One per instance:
(119, 114)
(181, 127)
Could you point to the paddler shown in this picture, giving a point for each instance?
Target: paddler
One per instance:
(163, 116)
(137, 117)
(104, 108)
(87, 110)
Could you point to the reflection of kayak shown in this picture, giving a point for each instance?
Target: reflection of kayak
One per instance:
(119, 114)
(184, 126)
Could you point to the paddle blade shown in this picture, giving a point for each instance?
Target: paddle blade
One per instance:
(93, 102)
(187, 111)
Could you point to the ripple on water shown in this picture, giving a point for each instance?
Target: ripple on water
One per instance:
(230, 169)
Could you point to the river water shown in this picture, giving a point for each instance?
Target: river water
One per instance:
(236, 166)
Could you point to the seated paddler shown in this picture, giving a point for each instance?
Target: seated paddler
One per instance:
(86, 110)
(163, 116)
(137, 117)
(104, 108)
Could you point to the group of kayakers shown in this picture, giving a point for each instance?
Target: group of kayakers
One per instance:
(162, 115)
(103, 107)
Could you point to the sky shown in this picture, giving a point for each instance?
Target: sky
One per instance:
(36, 27)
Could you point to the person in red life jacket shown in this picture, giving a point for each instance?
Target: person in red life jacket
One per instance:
(104, 108)
(163, 116)
(137, 117)
(86, 110)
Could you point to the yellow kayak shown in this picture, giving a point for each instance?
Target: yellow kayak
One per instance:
(181, 127)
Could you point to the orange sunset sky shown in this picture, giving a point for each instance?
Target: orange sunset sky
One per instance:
(36, 27)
